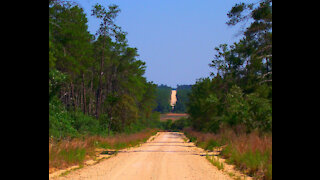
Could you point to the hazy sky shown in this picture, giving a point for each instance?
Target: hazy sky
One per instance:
(176, 38)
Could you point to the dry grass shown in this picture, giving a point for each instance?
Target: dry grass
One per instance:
(66, 153)
(172, 116)
(251, 153)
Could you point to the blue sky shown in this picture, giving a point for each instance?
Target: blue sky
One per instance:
(176, 38)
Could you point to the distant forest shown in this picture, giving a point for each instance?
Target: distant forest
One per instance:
(163, 96)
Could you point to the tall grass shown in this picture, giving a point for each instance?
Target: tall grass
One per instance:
(251, 153)
(68, 152)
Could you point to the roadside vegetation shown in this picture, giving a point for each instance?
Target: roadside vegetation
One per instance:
(68, 152)
(163, 99)
(99, 98)
(249, 152)
(98, 95)
(213, 160)
(232, 109)
(96, 82)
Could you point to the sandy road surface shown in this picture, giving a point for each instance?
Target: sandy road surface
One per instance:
(166, 157)
(173, 99)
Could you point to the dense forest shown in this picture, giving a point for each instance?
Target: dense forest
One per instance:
(96, 82)
(163, 96)
(240, 90)
(233, 108)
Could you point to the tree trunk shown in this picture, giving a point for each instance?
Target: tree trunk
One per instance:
(73, 99)
(91, 95)
(69, 98)
(84, 96)
(76, 99)
(81, 97)
(99, 95)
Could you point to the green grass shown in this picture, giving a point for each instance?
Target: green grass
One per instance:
(73, 155)
(207, 145)
(215, 161)
(212, 144)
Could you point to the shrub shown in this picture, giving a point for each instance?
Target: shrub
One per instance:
(60, 120)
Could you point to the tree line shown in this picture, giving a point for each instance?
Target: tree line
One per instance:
(96, 81)
(239, 91)
(163, 97)
(182, 98)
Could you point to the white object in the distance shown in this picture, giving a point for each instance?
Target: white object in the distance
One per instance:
(173, 99)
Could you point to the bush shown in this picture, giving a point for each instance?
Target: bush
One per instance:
(253, 111)
(209, 108)
(212, 144)
(56, 80)
(85, 124)
(180, 124)
(64, 123)
(60, 120)
(260, 112)
(168, 124)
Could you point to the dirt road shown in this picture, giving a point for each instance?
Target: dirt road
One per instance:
(166, 157)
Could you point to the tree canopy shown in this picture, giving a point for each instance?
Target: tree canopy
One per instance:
(240, 88)
(97, 77)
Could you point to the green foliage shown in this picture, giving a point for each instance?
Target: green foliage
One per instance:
(60, 120)
(180, 124)
(210, 112)
(260, 112)
(237, 108)
(213, 160)
(96, 83)
(240, 91)
(182, 98)
(212, 144)
(163, 95)
(85, 124)
(203, 106)
(56, 80)
(168, 124)
(177, 125)
(73, 155)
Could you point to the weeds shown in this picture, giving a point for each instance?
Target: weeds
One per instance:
(65, 153)
(250, 153)
(215, 161)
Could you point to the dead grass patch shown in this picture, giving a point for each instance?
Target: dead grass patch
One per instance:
(69, 152)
